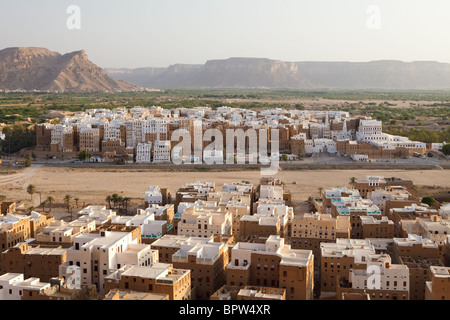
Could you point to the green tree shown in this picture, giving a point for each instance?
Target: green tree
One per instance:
(17, 137)
(120, 201)
(446, 149)
(50, 200)
(126, 201)
(429, 201)
(83, 155)
(352, 182)
(27, 161)
(109, 199)
(68, 203)
(31, 189)
(301, 152)
(115, 199)
(284, 157)
(76, 199)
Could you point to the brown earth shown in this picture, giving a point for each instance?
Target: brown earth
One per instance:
(92, 186)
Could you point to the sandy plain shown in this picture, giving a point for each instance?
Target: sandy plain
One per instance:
(92, 186)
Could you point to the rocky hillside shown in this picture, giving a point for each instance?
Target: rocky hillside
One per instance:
(43, 70)
(265, 73)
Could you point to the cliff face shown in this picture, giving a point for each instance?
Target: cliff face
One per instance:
(244, 72)
(265, 73)
(42, 69)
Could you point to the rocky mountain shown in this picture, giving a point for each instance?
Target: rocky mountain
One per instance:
(265, 73)
(43, 70)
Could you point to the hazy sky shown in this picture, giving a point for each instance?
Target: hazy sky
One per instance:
(158, 33)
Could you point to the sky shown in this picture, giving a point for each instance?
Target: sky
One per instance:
(159, 33)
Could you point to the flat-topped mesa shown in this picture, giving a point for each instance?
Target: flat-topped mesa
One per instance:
(261, 72)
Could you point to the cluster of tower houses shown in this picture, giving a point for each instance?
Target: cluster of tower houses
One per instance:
(144, 135)
(373, 240)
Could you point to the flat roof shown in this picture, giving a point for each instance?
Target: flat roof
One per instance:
(346, 247)
(46, 251)
(441, 272)
(297, 257)
(107, 240)
(33, 283)
(259, 294)
(10, 276)
(135, 295)
(153, 272)
(176, 241)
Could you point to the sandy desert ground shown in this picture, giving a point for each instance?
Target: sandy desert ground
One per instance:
(91, 186)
